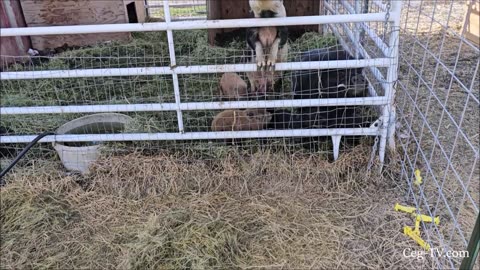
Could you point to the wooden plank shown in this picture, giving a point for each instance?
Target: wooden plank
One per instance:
(11, 16)
(237, 9)
(234, 9)
(213, 13)
(74, 12)
(471, 26)
(140, 9)
(302, 8)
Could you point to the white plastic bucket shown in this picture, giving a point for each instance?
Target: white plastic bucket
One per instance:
(79, 156)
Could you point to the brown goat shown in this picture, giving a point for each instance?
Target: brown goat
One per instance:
(232, 86)
(238, 120)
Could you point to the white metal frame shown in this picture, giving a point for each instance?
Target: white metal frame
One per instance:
(385, 131)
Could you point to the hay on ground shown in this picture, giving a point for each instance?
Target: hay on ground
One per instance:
(269, 210)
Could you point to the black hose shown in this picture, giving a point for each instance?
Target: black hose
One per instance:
(24, 151)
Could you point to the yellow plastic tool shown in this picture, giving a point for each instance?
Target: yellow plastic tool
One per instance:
(426, 218)
(418, 178)
(412, 234)
(417, 227)
(406, 209)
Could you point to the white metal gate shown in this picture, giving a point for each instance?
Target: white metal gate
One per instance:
(350, 22)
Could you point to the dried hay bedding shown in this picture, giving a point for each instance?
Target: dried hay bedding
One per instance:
(268, 210)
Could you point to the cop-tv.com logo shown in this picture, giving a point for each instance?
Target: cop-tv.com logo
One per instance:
(434, 252)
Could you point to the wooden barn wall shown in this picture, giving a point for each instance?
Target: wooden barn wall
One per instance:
(11, 17)
(238, 9)
(74, 12)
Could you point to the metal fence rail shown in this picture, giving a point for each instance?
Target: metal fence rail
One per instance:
(387, 61)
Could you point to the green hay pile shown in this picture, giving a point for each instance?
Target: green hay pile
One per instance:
(145, 50)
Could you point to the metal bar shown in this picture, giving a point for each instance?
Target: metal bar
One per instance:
(192, 18)
(201, 69)
(173, 62)
(375, 71)
(364, 9)
(371, 89)
(194, 106)
(189, 25)
(389, 121)
(194, 135)
(388, 111)
(336, 146)
(357, 25)
(373, 36)
(145, 4)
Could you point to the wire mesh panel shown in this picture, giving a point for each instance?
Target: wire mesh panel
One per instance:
(438, 118)
(371, 40)
(115, 92)
(171, 71)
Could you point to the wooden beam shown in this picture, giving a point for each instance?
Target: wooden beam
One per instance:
(73, 12)
(213, 13)
(11, 16)
(237, 9)
(140, 9)
(303, 8)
